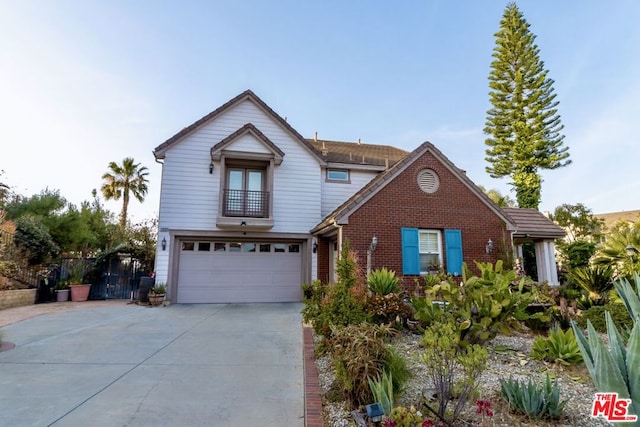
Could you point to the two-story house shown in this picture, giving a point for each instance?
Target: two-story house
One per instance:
(250, 210)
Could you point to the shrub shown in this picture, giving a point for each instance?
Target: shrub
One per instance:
(382, 391)
(402, 416)
(559, 347)
(596, 315)
(389, 308)
(481, 306)
(338, 304)
(383, 282)
(595, 280)
(536, 401)
(453, 371)
(360, 352)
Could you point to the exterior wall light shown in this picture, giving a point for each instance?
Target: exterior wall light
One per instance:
(164, 244)
(489, 247)
(315, 245)
(211, 167)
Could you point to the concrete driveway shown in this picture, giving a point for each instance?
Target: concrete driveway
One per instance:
(129, 365)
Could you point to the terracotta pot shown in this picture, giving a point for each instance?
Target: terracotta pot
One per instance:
(62, 295)
(80, 292)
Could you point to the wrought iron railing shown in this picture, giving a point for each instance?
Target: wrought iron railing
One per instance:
(253, 204)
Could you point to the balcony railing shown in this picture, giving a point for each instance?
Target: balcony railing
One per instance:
(254, 204)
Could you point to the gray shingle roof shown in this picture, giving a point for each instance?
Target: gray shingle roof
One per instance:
(357, 153)
(533, 224)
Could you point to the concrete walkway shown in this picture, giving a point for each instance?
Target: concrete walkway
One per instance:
(121, 364)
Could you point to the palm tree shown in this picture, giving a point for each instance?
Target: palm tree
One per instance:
(130, 178)
(621, 250)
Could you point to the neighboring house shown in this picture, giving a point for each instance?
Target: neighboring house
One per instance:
(250, 210)
(612, 219)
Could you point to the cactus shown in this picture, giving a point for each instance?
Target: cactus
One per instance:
(616, 369)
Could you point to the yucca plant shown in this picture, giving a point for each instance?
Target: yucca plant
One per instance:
(382, 390)
(560, 347)
(615, 369)
(596, 281)
(535, 400)
(382, 282)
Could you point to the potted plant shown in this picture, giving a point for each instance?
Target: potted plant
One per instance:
(62, 291)
(79, 289)
(157, 294)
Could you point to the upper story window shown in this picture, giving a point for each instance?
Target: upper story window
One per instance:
(245, 193)
(341, 175)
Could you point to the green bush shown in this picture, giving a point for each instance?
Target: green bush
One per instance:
(389, 308)
(481, 306)
(559, 347)
(360, 352)
(337, 304)
(533, 400)
(595, 280)
(452, 370)
(596, 316)
(382, 282)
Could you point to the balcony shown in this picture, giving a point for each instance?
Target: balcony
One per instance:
(244, 203)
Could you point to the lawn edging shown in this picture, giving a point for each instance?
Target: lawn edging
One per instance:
(312, 396)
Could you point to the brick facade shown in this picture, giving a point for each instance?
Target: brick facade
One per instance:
(401, 203)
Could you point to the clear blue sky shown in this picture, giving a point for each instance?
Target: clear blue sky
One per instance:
(86, 82)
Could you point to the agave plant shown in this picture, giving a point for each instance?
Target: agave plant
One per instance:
(615, 369)
(382, 282)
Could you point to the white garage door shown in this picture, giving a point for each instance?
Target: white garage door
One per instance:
(231, 272)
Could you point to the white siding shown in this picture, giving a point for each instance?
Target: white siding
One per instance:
(250, 144)
(335, 193)
(189, 194)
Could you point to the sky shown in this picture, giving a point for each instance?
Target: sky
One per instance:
(87, 82)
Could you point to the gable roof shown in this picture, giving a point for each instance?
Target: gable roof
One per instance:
(248, 128)
(161, 149)
(533, 224)
(612, 218)
(341, 214)
(357, 153)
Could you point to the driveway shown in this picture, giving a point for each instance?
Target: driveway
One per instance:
(122, 364)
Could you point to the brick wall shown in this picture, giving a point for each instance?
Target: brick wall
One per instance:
(17, 298)
(402, 204)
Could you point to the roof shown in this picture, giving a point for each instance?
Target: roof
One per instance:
(251, 129)
(161, 149)
(341, 214)
(357, 153)
(612, 218)
(532, 223)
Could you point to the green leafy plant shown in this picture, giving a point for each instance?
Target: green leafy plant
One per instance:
(406, 417)
(61, 285)
(535, 400)
(614, 368)
(159, 288)
(595, 280)
(596, 315)
(559, 347)
(453, 371)
(481, 306)
(359, 352)
(76, 272)
(388, 308)
(341, 303)
(382, 391)
(382, 282)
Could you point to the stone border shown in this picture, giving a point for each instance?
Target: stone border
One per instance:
(17, 298)
(312, 397)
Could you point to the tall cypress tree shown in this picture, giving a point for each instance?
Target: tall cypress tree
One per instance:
(523, 124)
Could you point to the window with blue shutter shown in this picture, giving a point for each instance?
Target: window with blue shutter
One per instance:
(410, 252)
(453, 251)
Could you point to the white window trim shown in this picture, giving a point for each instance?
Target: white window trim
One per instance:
(440, 248)
(345, 181)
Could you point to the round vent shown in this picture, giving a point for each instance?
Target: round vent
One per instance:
(428, 181)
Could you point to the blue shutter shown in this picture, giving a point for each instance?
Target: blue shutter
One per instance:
(453, 243)
(410, 251)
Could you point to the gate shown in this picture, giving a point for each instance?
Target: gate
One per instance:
(119, 280)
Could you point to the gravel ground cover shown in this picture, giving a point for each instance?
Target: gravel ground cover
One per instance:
(508, 356)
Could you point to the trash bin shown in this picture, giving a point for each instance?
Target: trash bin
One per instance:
(146, 283)
(45, 291)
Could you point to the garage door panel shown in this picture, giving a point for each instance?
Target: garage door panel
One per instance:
(229, 277)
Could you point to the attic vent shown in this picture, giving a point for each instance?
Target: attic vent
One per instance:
(428, 181)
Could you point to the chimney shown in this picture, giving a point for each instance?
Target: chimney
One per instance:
(315, 136)
(358, 141)
(386, 162)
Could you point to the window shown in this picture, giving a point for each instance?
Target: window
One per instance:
(338, 175)
(219, 247)
(294, 248)
(188, 246)
(245, 195)
(248, 247)
(424, 248)
(430, 248)
(265, 247)
(204, 246)
(235, 247)
(279, 247)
